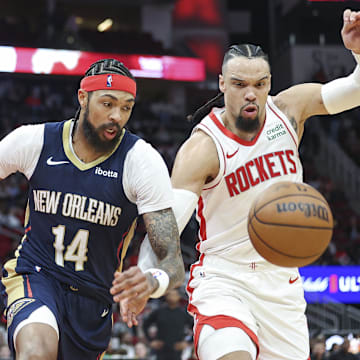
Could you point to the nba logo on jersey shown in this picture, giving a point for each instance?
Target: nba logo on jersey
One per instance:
(109, 81)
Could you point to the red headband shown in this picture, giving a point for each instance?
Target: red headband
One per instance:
(109, 82)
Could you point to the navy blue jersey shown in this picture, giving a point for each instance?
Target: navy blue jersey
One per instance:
(80, 221)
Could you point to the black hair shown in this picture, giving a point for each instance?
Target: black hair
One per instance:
(106, 66)
(249, 51)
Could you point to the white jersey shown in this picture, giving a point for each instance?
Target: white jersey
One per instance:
(246, 169)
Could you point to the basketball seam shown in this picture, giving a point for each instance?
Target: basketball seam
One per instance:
(291, 225)
(280, 252)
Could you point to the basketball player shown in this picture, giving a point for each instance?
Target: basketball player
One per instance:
(89, 179)
(245, 308)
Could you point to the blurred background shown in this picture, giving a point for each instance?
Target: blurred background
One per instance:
(175, 48)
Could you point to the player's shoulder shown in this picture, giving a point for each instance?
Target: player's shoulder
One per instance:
(199, 152)
(30, 128)
(200, 143)
(26, 132)
(143, 152)
(143, 148)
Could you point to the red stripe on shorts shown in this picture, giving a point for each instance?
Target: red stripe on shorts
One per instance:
(220, 322)
(29, 291)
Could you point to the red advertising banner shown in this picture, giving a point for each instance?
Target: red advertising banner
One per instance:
(71, 62)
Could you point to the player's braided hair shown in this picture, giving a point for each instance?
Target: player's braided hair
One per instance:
(248, 50)
(106, 66)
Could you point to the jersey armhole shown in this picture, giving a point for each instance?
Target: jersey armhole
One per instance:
(221, 156)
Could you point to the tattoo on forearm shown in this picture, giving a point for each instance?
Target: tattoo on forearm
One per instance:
(164, 238)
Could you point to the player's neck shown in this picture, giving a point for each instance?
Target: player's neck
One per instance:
(82, 148)
(230, 123)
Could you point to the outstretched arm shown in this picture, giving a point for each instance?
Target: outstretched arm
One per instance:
(196, 163)
(147, 183)
(133, 287)
(302, 101)
(164, 239)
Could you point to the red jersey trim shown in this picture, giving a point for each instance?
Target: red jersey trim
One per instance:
(202, 230)
(223, 153)
(191, 308)
(231, 135)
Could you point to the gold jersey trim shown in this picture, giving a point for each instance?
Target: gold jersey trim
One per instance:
(71, 156)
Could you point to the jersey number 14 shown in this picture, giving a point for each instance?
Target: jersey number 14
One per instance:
(75, 251)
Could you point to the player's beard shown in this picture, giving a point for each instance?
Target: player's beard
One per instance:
(92, 134)
(248, 124)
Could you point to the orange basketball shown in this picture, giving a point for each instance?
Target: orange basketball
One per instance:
(290, 224)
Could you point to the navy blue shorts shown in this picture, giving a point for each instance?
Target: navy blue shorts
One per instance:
(84, 323)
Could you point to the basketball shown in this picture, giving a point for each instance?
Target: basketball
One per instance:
(290, 224)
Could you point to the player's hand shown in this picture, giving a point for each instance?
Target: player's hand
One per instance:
(132, 289)
(128, 311)
(351, 30)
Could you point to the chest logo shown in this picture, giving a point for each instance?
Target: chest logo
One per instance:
(50, 162)
(106, 173)
(229, 156)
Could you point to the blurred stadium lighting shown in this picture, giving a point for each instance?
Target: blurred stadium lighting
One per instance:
(105, 25)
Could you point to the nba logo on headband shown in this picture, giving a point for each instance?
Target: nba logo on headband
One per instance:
(109, 81)
(106, 81)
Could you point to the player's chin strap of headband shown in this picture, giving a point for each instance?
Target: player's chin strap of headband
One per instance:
(109, 82)
(344, 93)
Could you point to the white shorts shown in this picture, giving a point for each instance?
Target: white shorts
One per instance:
(267, 302)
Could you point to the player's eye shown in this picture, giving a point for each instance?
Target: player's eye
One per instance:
(107, 104)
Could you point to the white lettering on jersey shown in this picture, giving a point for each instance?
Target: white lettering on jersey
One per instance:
(107, 173)
(76, 206)
(46, 201)
(94, 211)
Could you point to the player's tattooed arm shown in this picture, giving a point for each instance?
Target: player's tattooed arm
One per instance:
(164, 238)
(132, 287)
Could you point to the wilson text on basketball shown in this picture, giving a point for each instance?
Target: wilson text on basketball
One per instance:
(308, 209)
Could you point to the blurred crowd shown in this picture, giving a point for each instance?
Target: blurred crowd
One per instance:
(335, 347)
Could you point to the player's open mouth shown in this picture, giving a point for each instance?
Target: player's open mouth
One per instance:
(250, 110)
(110, 133)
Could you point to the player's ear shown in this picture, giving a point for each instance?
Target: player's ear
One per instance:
(82, 97)
(221, 83)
